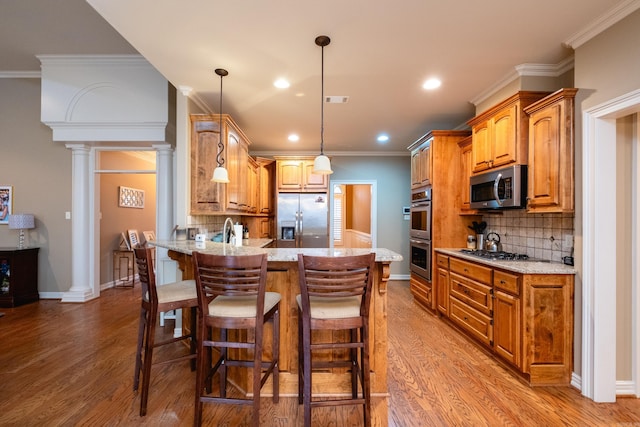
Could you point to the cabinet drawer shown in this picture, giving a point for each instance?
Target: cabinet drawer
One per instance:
(442, 261)
(469, 269)
(422, 291)
(475, 294)
(474, 322)
(507, 282)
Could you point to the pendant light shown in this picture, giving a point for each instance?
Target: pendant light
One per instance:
(220, 174)
(321, 164)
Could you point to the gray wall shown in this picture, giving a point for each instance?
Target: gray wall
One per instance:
(393, 177)
(606, 67)
(40, 172)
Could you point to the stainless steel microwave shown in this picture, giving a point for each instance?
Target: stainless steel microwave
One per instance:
(504, 188)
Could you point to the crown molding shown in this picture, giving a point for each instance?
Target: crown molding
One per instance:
(602, 23)
(332, 153)
(525, 70)
(93, 60)
(20, 75)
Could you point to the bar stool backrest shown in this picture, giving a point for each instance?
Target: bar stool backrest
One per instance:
(144, 261)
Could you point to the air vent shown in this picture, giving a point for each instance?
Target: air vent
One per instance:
(336, 99)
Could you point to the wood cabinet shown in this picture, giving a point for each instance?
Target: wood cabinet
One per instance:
(422, 290)
(551, 153)
(18, 276)
(206, 197)
(507, 313)
(266, 180)
(441, 168)
(295, 174)
(442, 284)
(237, 151)
(464, 179)
(251, 180)
(421, 164)
(210, 197)
(526, 320)
(253, 185)
(500, 134)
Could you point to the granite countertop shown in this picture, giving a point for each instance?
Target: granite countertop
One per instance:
(256, 246)
(523, 267)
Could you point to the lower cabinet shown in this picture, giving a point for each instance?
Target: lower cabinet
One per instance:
(525, 320)
(421, 290)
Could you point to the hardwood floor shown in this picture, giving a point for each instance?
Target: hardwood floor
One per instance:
(72, 364)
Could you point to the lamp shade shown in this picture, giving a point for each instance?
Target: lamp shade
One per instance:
(220, 174)
(21, 221)
(322, 165)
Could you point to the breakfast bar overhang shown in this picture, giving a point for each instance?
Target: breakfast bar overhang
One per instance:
(282, 277)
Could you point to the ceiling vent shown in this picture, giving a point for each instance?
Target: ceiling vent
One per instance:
(336, 99)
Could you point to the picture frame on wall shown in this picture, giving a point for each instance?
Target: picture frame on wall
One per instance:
(130, 197)
(6, 203)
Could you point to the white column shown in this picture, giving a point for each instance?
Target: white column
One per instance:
(81, 282)
(165, 267)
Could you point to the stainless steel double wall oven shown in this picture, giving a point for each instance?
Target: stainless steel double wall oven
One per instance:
(420, 232)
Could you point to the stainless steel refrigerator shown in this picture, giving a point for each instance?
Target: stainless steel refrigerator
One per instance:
(302, 220)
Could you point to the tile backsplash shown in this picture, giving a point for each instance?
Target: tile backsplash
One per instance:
(544, 236)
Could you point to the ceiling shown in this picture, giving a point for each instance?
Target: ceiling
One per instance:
(380, 54)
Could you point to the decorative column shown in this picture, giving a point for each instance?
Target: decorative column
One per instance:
(166, 268)
(81, 281)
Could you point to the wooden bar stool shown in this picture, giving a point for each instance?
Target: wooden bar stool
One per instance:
(157, 299)
(335, 295)
(232, 295)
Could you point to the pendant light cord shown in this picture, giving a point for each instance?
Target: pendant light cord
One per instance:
(322, 106)
(219, 158)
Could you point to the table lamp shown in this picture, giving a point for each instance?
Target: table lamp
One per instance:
(21, 222)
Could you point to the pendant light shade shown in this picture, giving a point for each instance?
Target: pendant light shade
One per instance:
(322, 164)
(220, 174)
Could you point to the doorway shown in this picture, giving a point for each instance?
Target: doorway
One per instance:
(353, 214)
(601, 248)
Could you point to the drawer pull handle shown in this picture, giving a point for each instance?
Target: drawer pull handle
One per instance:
(466, 319)
(466, 271)
(502, 282)
(466, 291)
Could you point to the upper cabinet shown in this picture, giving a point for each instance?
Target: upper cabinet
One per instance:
(466, 169)
(421, 162)
(206, 197)
(500, 134)
(551, 153)
(250, 180)
(295, 174)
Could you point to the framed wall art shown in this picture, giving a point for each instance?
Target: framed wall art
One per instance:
(6, 203)
(130, 198)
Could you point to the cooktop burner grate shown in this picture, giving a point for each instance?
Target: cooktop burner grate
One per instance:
(499, 256)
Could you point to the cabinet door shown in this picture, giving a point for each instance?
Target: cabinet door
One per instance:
(466, 170)
(206, 196)
(504, 136)
(425, 165)
(548, 340)
(481, 154)
(415, 169)
(442, 291)
(253, 174)
(313, 181)
(232, 163)
(544, 158)
(289, 175)
(265, 203)
(507, 327)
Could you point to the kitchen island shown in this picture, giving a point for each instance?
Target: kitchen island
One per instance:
(282, 277)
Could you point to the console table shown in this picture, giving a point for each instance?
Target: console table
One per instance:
(18, 276)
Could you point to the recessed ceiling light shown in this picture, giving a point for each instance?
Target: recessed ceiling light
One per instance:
(293, 137)
(281, 84)
(383, 137)
(431, 84)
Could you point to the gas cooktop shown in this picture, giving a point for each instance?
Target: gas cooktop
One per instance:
(500, 255)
